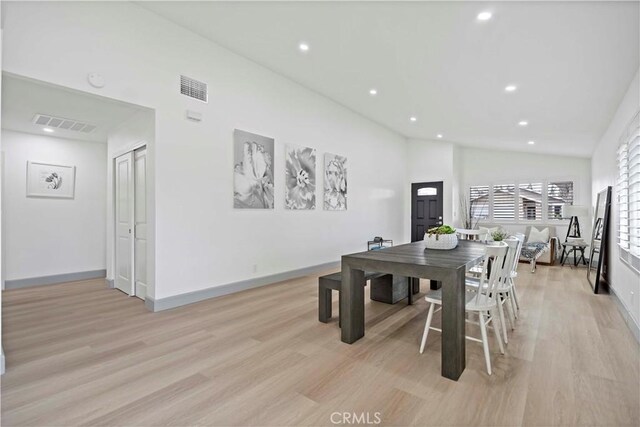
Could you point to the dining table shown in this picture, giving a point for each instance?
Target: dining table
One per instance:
(413, 260)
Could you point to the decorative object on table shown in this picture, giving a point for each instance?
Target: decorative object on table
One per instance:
(499, 235)
(378, 243)
(442, 238)
(53, 181)
(599, 241)
(485, 233)
(335, 182)
(253, 186)
(573, 212)
(300, 178)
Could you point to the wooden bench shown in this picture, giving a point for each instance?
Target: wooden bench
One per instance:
(387, 290)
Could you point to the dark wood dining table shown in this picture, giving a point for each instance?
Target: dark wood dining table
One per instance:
(413, 260)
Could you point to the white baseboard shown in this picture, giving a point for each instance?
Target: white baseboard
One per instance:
(196, 296)
(626, 315)
(54, 279)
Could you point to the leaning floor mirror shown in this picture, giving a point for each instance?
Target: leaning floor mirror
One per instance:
(598, 254)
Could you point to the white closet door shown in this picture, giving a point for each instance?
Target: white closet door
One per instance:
(124, 198)
(140, 246)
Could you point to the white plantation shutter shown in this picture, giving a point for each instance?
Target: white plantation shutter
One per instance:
(622, 190)
(530, 201)
(634, 191)
(628, 193)
(479, 201)
(559, 193)
(504, 202)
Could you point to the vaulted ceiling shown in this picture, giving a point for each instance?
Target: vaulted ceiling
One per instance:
(571, 62)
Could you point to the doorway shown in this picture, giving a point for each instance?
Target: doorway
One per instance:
(130, 173)
(426, 208)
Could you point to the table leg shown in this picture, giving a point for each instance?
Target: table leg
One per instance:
(453, 325)
(352, 304)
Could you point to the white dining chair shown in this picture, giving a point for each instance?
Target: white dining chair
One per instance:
(514, 273)
(504, 289)
(484, 302)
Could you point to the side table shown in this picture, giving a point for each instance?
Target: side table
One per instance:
(568, 247)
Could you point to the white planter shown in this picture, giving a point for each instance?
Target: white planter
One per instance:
(443, 241)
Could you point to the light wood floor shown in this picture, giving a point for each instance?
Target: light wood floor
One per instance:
(82, 354)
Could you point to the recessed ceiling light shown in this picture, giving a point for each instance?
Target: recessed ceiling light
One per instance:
(413, 119)
(304, 47)
(439, 135)
(510, 88)
(523, 122)
(48, 130)
(484, 16)
(373, 92)
(531, 142)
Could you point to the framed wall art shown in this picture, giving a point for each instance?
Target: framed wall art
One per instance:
(52, 181)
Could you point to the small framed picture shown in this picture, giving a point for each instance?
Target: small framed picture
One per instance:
(46, 180)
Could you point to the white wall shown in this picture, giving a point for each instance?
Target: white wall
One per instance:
(201, 241)
(45, 237)
(431, 161)
(481, 167)
(138, 130)
(624, 281)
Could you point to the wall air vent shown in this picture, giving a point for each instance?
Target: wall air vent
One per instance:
(193, 88)
(60, 123)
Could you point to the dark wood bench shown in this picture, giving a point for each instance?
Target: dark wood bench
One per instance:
(384, 288)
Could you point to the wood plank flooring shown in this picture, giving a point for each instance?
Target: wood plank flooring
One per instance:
(83, 354)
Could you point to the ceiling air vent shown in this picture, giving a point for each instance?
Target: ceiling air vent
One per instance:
(193, 88)
(60, 123)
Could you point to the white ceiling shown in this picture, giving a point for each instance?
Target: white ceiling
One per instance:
(572, 62)
(22, 99)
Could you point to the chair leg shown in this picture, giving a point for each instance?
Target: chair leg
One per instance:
(514, 302)
(515, 295)
(427, 325)
(512, 309)
(496, 328)
(501, 312)
(485, 342)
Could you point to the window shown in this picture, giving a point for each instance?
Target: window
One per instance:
(479, 201)
(530, 201)
(504, 202)
(628, 193)
(559, 194)
(427, 191)
(622, 190)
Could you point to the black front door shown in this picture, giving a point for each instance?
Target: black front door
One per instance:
(426, 208)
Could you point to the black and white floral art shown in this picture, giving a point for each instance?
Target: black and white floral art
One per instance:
(300, 178)
(335, 182)
(253, 171)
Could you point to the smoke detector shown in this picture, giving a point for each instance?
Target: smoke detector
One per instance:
(60, 123)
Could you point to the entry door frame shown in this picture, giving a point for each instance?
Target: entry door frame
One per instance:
(113, 160)
(414, 194)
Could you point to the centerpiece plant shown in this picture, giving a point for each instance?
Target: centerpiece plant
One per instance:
(441, 230)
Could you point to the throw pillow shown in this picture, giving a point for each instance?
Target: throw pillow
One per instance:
(538, 236)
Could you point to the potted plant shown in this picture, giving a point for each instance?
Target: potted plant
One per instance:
(442, 237)
(499, 235)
